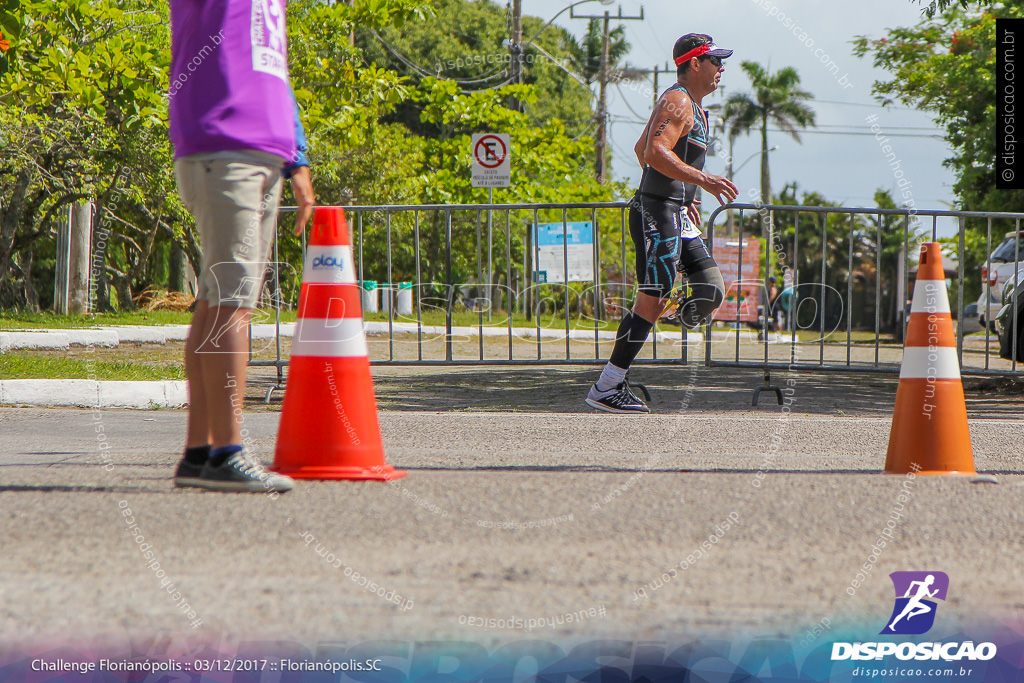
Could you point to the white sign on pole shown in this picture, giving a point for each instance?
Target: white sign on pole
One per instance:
(559, 245)
(492, 160)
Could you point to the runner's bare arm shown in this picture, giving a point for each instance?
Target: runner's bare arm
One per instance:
(672, 119)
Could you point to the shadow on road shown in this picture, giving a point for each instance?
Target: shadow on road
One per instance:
(688, 390)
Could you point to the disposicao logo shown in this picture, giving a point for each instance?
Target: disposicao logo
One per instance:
(916, 595)
(916, 603)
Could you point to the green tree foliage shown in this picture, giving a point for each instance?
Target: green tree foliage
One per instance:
(83, 87)
(83, 117)
(10, 30)
(888, 239)
(359, 156)
(934, 6)
(847, 262)
(946, 65)
(412, 97)
(467, 43)
(777, 99)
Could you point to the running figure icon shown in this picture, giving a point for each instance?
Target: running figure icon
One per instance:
(916, 604)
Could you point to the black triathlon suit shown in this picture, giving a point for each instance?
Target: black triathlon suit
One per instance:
(664, 238)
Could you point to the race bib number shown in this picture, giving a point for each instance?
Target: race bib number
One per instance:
(687, 229)
(269, 39)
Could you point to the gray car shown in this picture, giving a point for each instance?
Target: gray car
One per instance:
(971, 321)
(1010, 320)
(1000, 267)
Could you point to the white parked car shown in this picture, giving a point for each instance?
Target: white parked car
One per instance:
(997, 272)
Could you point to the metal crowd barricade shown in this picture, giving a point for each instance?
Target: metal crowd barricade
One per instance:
(464, 260)
(799, 237)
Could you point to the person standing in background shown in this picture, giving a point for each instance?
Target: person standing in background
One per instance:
(236, 133)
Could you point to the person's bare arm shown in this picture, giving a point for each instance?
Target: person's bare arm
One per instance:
(302, 187)
(672, 119)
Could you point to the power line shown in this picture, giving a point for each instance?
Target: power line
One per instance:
(507, 81)
(864, 104)
(426, 74)
(620, 150)
(847, 132)
(850, 125)
(643, 122)
(625, 100)
(601, 143)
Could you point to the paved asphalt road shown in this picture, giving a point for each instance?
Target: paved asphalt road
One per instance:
(509, 516)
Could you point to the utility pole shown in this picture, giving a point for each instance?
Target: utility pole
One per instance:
(516, 49)
(656, 72)
(352, 32)
(601, 146)
(601, 142)
(80, 262)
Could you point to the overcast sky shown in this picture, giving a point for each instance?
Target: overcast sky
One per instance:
(843, 167)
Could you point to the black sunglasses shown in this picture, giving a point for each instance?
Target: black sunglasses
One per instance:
(715, 61)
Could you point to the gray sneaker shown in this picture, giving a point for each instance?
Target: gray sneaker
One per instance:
(242, 473)
(187, 474)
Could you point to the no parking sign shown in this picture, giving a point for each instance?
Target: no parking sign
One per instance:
(492, 160)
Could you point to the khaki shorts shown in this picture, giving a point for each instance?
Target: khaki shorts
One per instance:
(234, 198)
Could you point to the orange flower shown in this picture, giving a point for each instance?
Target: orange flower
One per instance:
(5, 45)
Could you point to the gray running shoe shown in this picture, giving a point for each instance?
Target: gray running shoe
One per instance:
(242, 473)
(619, 400)
(187, 474)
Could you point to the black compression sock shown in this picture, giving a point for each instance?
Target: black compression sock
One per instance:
(197, 455)
(630, 339)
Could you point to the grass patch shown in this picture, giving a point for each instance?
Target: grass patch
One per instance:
(431, 316)
(15, 320)
(856, 337)
(25, 365)
(463, 318)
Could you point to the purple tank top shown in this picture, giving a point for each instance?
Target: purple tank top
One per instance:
(229, 78)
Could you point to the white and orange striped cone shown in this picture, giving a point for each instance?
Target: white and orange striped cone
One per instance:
(329, 427)
(929, 425)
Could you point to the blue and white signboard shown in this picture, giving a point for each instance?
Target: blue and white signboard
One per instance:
(559, 244)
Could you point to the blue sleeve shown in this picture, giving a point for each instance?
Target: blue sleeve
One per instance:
(300, 143)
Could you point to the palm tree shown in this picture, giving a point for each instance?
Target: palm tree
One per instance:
(777, 99)
(586, 51)
(589, 55)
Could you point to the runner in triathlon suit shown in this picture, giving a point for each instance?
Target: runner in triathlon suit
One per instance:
(664, 218)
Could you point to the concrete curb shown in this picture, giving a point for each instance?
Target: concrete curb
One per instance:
(146, 395)
(112, 337)
(377, 328)
(102, 337)
(143, 334)
(49, 340)
(87, 393)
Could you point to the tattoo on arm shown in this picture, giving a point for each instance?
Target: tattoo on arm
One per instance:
(662, 127)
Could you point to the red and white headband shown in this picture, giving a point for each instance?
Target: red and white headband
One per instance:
(700, 51)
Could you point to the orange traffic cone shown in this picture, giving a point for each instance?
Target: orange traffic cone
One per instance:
(929, 426)
(329, 427)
